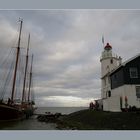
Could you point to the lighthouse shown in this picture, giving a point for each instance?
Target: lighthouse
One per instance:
(120, 87)
(109, 61)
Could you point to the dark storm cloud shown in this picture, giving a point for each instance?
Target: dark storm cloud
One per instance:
(67, 48)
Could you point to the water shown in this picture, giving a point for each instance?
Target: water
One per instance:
(63, 110)
(33, 124)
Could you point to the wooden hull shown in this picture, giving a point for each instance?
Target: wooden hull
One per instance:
(9, 113)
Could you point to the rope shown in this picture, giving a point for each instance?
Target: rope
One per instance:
(5, 59)
(32, 90)
(4, 67)
(7, 81)
(19, 77)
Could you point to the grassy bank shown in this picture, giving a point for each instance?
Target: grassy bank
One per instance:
(99, 120)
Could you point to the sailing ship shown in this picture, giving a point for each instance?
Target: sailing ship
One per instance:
(10, 109)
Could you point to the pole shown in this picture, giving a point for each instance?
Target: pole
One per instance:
(30, 81)
(17, 58)
(26, 66)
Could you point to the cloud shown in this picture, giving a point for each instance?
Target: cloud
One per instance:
(67, 47)
(69, 101)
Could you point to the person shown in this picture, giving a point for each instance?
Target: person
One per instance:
(91, 105)
(9, 101)
(96, 105)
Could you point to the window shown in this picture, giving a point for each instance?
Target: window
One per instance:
(109, 93)
(133, 72)
(138, 91)
(111, 61)
(115, 77)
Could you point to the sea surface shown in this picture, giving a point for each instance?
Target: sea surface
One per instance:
(33, 124)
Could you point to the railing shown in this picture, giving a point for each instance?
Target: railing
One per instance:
(106, 55)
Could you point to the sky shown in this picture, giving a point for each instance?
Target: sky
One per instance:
(67, 46)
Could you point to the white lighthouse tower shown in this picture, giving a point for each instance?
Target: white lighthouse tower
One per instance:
(109, 61)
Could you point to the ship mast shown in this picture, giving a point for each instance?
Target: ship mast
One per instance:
(17, 59)
(23, 93)
(30, 80)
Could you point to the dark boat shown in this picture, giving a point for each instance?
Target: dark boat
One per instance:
(11, 110)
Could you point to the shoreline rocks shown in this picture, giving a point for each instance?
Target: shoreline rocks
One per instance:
(49, 117)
